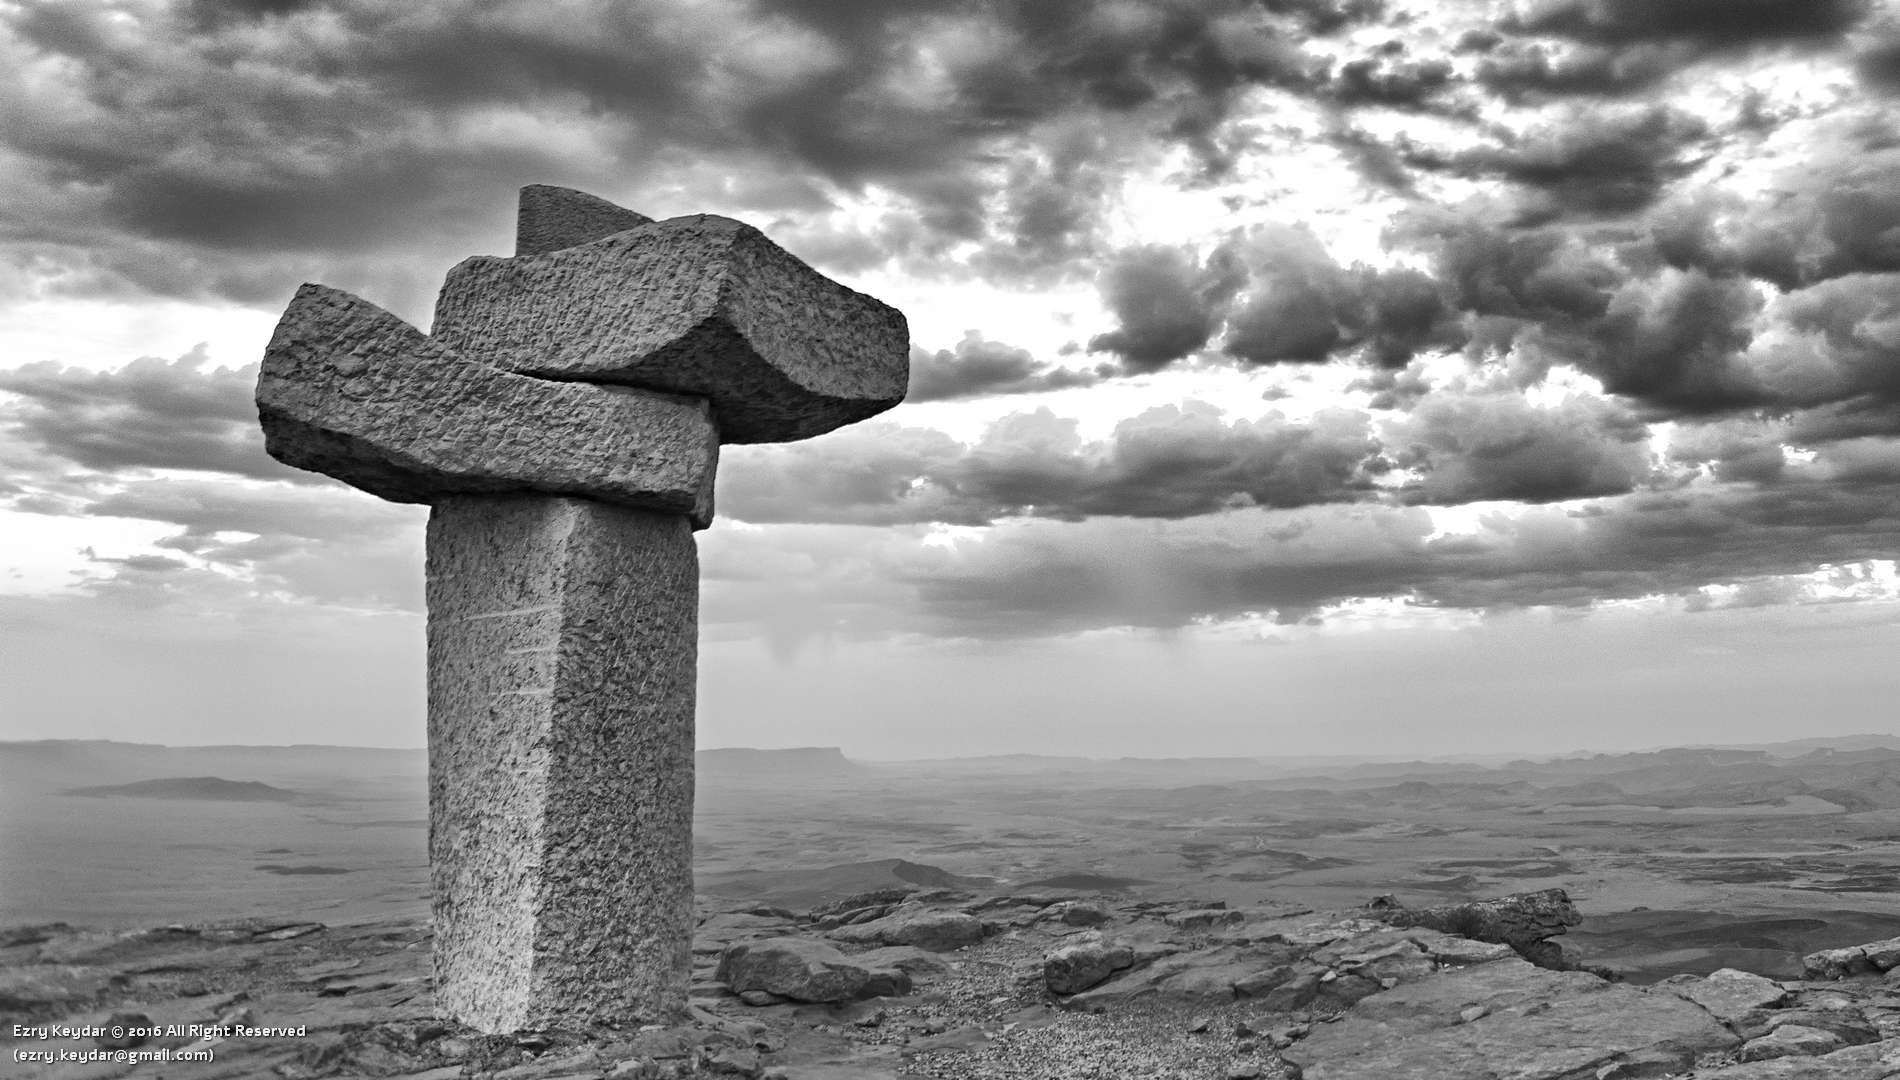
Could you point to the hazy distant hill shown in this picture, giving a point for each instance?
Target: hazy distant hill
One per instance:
(56, 764)
(788, 763)
(191, 787)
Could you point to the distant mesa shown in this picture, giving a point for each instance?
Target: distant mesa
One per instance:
(208, 788)
(791, 762)
(298, 871)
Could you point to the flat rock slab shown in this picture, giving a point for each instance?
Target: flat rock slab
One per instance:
(1729, 994)
(700, 305)
(1528, 1024)
(937, 931)
(349, 390)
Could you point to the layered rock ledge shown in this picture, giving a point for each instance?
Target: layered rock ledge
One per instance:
(948, 984)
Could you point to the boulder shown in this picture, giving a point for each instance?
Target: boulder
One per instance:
(1074, 968)
(1524, 921)
(1081, 913)
(806, 970)
(1203, 919)
(937, 931)
(1852, 960)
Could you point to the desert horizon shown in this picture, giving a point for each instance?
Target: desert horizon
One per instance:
(1682, 859)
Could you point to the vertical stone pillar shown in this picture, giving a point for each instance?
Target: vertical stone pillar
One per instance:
(562, 652)
(564, 421)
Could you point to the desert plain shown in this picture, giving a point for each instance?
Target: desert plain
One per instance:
(1682, 860)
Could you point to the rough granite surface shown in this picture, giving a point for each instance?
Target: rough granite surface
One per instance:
(351, 391)
(552, 218)
(562, 646)
(699, 305)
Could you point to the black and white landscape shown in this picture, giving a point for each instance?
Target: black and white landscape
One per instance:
(1439, 451)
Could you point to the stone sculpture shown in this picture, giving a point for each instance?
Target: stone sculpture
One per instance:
(563, 421)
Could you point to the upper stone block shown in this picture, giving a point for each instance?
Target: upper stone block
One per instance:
(349, 390)
(552, 218)
(699, 305)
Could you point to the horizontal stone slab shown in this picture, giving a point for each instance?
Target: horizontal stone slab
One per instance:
(351, 391)
(699, 305)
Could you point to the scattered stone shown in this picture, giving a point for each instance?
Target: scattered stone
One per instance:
(1296, 993)
(1203, 919)
(1791, 1040)
(1081, 913)
(1263, 982)
(806, 970)
(1075, 968)
(937, 931)
(1182, 1016)
(1729, 994)
(761, 998)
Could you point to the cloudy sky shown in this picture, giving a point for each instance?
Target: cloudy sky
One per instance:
(1289, 376)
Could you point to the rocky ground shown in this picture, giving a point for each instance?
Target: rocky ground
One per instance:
(954, 985)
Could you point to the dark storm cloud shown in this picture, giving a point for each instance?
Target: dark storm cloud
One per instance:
(978, 367)
(1745, 450)
(1166, 305)
(1714, 24)
(1519, 71)
(1836, 213)
(1301, 306)
(1879, 65)
(278, 136)
(1168, 462)
(1380, 163)
(1672, 339)
(150, 414)
(1328, 16)
(1041, 579)
(1282, 299)
(1391, 79)
(1498, 446)
(1595, 162)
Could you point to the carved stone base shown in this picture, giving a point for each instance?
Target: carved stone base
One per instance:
(562, 649)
